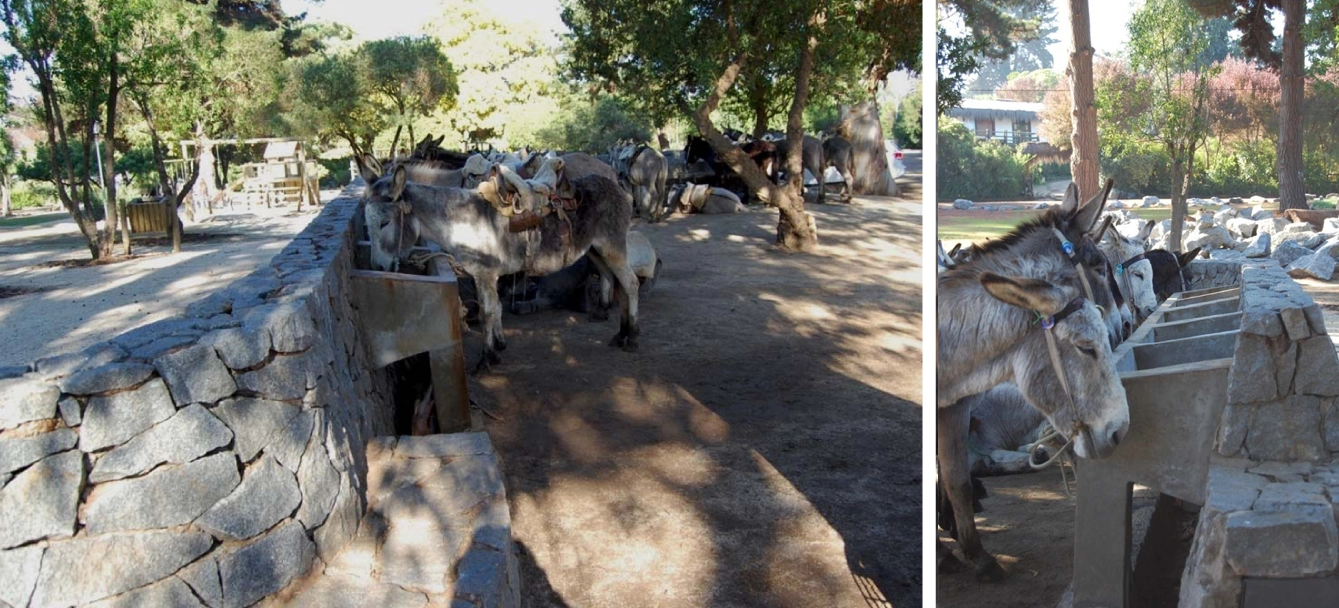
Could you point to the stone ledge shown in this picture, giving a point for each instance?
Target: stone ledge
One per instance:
(437, 531)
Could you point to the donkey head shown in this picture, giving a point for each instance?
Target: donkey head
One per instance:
(1135, 279)
(508, 193)
(391, 225)
(551, 179)
(1073, 380)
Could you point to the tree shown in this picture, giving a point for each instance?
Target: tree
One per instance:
(411, 77)
(503, 67)
(1083, 159)
(1166, 39)
(70, 50)
(1029, 86)
(978, 32)
(1252, 19)
(1029, 55)
(334, 99)
(619, 45)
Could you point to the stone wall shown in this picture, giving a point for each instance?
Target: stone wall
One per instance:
(1269, 510)
(204, 460)
(1205, 274)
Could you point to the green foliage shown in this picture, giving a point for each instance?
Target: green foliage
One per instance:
(410, 77)
(907, 129)
(666, 56)
(982, 31)
(976, 169)
(1032, 54)
(29, 194)
(503, 68)
(1137, 166)
(595, 126)
(333, 98)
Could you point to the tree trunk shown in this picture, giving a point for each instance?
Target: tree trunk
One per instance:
(795, 228)
(1178, 203)
(1292, 193)
(6, 201)
(861, 126)
(109, 180)
(760, 117)
(394, 141)
(1083, 158)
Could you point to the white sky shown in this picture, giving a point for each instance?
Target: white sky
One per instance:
(1108, 23)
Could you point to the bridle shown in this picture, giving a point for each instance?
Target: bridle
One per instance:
(1072, 254)
(1047, 324)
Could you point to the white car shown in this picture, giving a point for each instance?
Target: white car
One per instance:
(894, 158)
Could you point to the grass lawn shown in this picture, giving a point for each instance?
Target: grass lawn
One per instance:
(21, 221)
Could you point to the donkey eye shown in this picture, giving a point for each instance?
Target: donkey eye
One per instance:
(1089, 351)
(1138, 275)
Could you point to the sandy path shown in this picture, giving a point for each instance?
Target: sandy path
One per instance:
(84, 306)
(762, 448)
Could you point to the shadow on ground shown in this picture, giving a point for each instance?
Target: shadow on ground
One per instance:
(762, 448)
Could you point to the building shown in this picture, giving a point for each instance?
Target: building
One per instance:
(1012, 122)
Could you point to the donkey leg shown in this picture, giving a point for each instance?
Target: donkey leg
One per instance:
(600, 312)
(617, 262)
(952, 428)
(491, 311)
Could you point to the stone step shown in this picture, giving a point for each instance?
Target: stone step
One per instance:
(437, 532)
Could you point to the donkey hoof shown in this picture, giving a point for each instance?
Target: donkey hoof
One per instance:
(482, 368)
(620, 340)
(499, 345)
(599, 314)
(989, 571)
(630, 344)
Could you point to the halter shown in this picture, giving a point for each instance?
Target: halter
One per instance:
(1070, 252)
(1047, 324)
(1125, 276)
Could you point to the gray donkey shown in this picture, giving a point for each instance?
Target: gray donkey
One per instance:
(645, 172)
(840, 155)
(473, 227)
(1016, 313)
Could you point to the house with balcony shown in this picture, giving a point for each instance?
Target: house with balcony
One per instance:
(1011, 122)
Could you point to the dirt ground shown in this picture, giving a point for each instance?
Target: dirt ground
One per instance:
(50, 306)
(763, 446)
(1028, 525)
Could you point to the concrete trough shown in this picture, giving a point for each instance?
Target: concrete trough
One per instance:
(1233, 393)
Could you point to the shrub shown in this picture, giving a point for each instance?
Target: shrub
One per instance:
(976, 169)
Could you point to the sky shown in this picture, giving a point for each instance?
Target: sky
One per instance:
(1108, 23)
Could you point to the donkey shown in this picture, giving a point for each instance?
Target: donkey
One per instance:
(434, 172)
(472, 228)
(1168, 271)
(644, 173)
(1132, 273)
(1017, 312)
(811, 158)
(840, 155)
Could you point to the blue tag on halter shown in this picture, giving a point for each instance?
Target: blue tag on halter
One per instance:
(1120, 268)
(1069, 248)
(1048, 322)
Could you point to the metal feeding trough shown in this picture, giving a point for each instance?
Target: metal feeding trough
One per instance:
(1175, 371)
(1234, 406)
(402, 315)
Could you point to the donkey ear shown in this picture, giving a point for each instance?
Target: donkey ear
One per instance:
(370, 168)
(1146, 231)
(1070, 205)
(398, 181)
(955, 249)
(1188, 256)
(1025, 293)
(1085, 217)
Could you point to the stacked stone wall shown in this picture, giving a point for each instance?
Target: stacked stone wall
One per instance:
(205, 460)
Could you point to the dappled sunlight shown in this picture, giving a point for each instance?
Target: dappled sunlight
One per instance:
(762, 447)
(90, 304)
